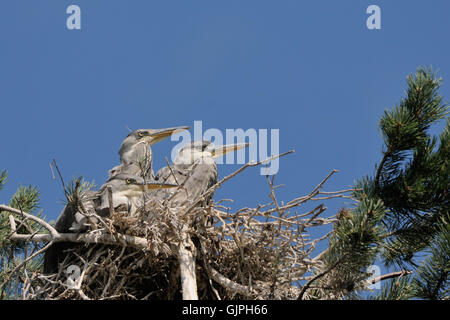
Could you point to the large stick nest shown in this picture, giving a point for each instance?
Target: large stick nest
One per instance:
(254, 253)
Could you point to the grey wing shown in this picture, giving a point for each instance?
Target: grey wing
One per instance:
(69, 220)
(72, 220)
(199, 179)
(203, 177)
(54, 255)
(65, 219)
(165, 175)
(130, 168)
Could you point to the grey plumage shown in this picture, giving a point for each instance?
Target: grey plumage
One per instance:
(68, 221)
(195, 169)
(126, 182)
(196, 179)
(135, 156)
(135, 152)
(126, 189)
(71, 219)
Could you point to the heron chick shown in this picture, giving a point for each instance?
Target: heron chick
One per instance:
(127, 189)
(194, 169)
(135, 151)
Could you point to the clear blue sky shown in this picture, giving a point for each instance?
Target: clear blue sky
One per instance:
(311, 69)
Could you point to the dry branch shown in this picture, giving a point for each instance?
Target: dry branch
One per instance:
(256, 253)
(391, 275)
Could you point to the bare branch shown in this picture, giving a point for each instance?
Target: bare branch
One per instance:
(390, 276)
(47, 226)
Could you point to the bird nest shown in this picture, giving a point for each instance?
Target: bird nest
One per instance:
(162, 252)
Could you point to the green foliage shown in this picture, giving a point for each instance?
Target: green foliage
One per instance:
(406, 125)
(79, 190)
(3, 176)
(395, 289)
(432, 280)
(353, 247)
(401, 207)
(412, 182)
(12, 289)
(26, 198)
(413, 177)
(358, 234)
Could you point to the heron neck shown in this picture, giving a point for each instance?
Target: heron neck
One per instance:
(136, 153)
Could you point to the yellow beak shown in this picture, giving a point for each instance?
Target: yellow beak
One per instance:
(224, 149)
(157, 185)
(160, 134)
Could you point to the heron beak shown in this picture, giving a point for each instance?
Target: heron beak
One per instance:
(136, 189)
(160, 134)
(157, 185)
(221, 150)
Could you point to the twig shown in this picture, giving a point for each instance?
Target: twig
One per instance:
(390, 276)
(320, 275)
(186, 259)
(61, 178)
(47, 226)
(231, 285)
(219, 183)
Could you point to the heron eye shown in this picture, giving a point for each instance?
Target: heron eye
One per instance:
(128, 181)
(140, 134)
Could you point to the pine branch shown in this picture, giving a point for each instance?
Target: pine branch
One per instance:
(390, 276)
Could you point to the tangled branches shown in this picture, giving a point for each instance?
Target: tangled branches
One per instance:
(201, 250)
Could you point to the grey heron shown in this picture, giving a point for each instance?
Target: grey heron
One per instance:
(195, 169)
(127, 182)
(126, 189)
(135, 156)
(135, 152)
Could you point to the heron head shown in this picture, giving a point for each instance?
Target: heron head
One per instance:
(205, 151)
(133, 186)
(141, 138)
